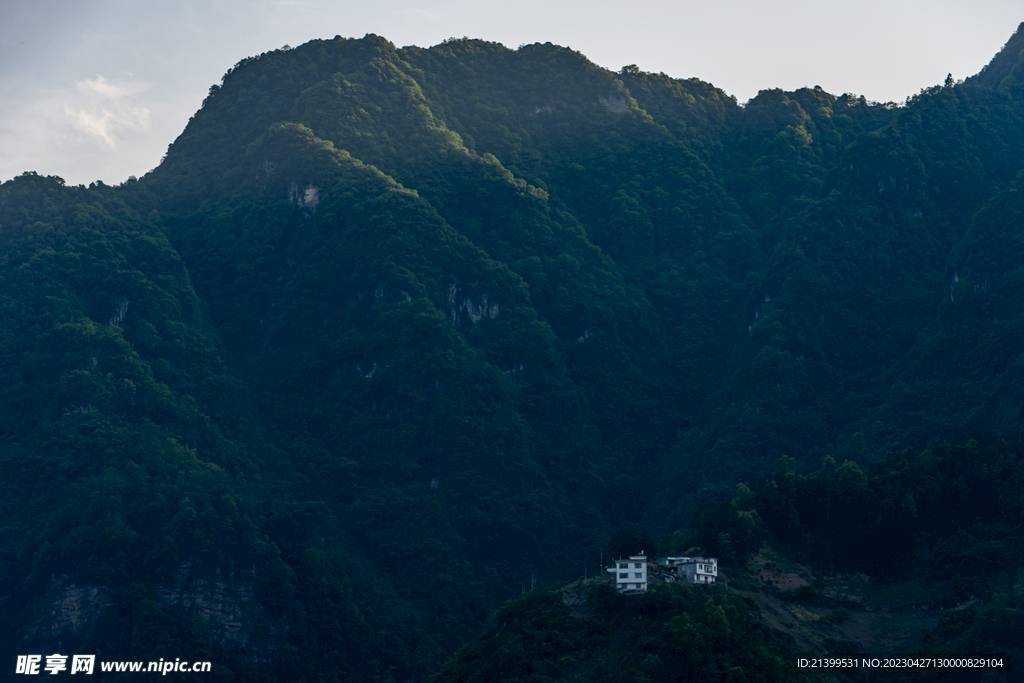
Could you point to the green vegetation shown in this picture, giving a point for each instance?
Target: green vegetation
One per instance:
(947, 516)
(391, 333)
(672, 633)
(950, 511)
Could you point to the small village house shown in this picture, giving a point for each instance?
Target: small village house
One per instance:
(693, 569)
(630, 574)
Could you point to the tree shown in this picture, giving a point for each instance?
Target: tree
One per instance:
(631, 541)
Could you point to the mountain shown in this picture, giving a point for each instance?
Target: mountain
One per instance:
(390, 333)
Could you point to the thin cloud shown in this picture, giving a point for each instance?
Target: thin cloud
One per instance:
(422, 13)
(105, 110)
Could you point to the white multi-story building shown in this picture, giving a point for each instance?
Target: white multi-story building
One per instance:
(696, 569)
(630, 574)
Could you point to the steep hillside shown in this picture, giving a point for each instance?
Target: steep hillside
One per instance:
(391, 332)
(673, 632)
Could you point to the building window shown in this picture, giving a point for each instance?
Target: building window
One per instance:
(638, 575)
(624, 575)
(623, 565)
(636, 565)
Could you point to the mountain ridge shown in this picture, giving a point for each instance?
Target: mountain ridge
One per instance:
(478, 307)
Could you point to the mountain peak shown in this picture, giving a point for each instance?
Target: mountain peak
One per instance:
(1007, 67)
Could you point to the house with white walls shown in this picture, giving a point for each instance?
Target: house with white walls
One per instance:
(694, 569)
(630, 573)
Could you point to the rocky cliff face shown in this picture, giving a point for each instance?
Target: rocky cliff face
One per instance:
(70, 607)
(224, 598)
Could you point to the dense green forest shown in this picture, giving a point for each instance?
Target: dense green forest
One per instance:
(391, 334)
(682, 633)
(948, 514)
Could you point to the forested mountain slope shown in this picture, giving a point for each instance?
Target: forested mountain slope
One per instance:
(391, 331)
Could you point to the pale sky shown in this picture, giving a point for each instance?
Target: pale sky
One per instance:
(97, 89)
